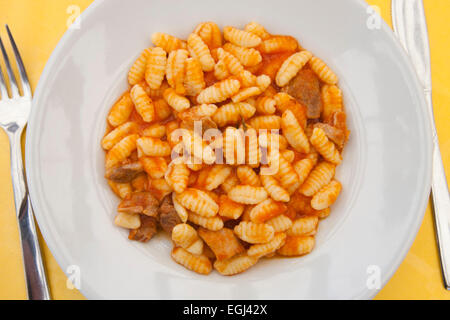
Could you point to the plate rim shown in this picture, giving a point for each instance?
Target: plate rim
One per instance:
(89, 293)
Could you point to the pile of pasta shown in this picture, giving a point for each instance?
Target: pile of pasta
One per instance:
(285, 105)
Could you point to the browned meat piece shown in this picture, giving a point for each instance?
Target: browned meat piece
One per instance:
(305, 87)
(146, 231)
(140, 202)
(124, 173)
(333, 133)
(168, 217)
(223, 243)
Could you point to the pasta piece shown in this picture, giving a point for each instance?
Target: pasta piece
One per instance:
(194, 81)
(176, 69)
(279, 44)
(120, 189)
(265, 122)
(294, 132)
(217, 175)
(252, 148)
(156, 67)
(265, 105)
(235, 264)
(231, 62)
(261, 250)
(267, 210)
(198, 112)
(137, 71)
(210, 34)
(325, 147)
(323, 71)
(303, 168)
(230, 182)
(155, 94)
(176, 101)
(121, 150)
(332, 101)
(247, 194)
(322, 214)
(256, 28)
(160, 188)
(177, 176)
(297, 246)
(248, 79)
(241, 38)
(289, 155)
(221, 71)
(155, 131)
(197, 263)
(144, 105)
(286, 174)
(118, 134)
(127, 220)
(245, 94)
(275, 191)
(319, 177)
(162, 109)
(223, 243)
(248, 57)
(121, 110)
(153, 147)
(200, 50)
(227, 114)
(198, 202)
(155, 167)
(167, 42)
(186, 237)
(230, 209)
(285, 102)
(219, 92)
(247, 176)
(254, 232)
(263, 82)
(280, 223)
(326, 196)
(213, 223)
(291, 67)
(181, 211)
(303, 226)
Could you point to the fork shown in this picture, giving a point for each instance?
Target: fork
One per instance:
(14, 113)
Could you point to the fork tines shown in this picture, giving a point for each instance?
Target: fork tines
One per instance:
(22, 73)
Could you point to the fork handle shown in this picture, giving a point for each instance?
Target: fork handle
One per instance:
(36, 281)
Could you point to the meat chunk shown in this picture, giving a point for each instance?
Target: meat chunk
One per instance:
(140, 202)
(146, 231)
(168, 216)
(124, 173)
(305, 87)
(223, 243)
(334, 134)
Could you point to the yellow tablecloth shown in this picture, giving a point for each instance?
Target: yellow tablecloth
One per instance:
(38, 25)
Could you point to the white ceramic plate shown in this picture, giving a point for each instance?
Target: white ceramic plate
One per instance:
(386, 172)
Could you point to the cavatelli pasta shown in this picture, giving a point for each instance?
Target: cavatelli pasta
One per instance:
(291, 67)
(241, 38)
(236, 168)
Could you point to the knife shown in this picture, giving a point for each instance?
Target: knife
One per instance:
(410, 26)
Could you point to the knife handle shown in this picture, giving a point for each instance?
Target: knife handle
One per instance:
(441, 204)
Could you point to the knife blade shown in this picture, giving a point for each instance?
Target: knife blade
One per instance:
(410, 26)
